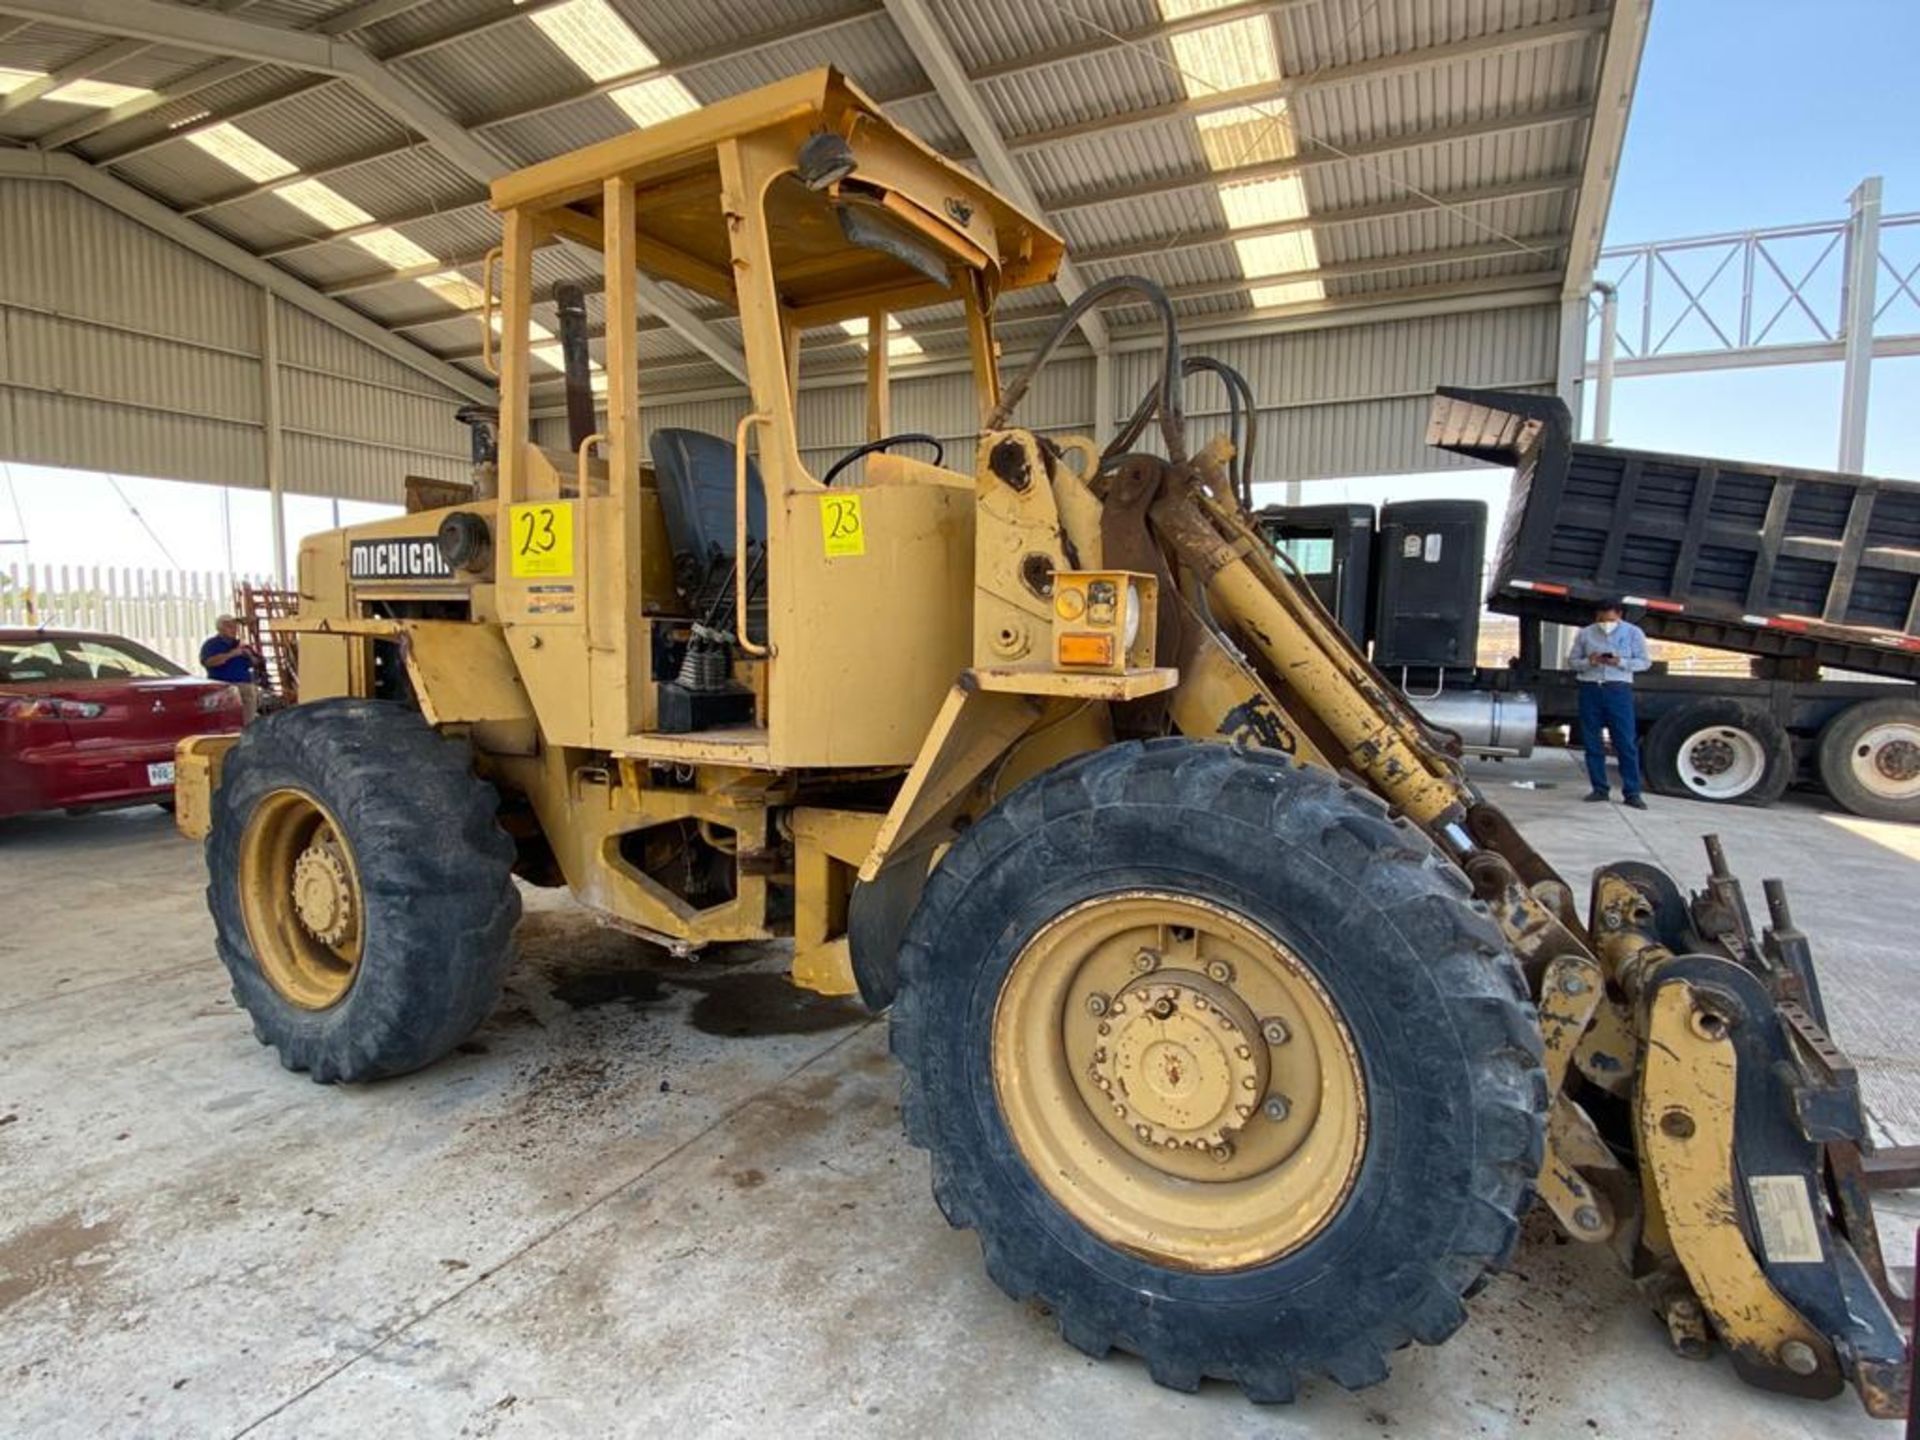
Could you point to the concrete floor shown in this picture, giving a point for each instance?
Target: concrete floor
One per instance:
(653, 1193)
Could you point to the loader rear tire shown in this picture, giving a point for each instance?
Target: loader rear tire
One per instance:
(1369, 966)
(361, 888)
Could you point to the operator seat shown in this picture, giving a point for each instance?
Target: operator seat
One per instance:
(694, 474)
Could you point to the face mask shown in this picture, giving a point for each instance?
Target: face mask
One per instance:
(1607, 627)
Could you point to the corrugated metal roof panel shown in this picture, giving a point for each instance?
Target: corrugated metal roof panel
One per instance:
(987, 32)
(261, 85)
(1091, 88)
(1339, 32)
(501, 68)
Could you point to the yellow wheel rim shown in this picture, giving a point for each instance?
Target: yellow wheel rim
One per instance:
(300, 897)
(1179, 1081)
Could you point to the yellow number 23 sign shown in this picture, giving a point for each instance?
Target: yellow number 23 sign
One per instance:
(842, 531)
(541, 537)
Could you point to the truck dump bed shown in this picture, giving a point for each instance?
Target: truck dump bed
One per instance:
(1761, 559)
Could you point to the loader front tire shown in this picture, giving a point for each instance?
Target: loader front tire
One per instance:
(1224, 1065)
(361, 888)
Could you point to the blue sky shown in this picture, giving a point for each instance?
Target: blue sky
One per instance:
(1757, 113)
(1749, 113)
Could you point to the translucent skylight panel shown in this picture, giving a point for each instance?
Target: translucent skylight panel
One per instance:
(237, 150)
(1288, 292)
(652, 101)
(394, 248)
(1263, 202)
(100, 94)
(1247, 135)
(456, 289)
(1230, 56)
(592, 35)
(1277, 254)
(324, 204)
(898, 341)
(12, 79)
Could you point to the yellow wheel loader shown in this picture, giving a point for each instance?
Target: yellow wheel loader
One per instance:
(1237, 1022)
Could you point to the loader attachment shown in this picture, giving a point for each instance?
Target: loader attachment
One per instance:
(1749, 1128)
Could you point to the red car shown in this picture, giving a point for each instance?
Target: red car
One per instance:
(89, 720)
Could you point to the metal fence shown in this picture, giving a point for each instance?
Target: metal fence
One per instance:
(171, 611)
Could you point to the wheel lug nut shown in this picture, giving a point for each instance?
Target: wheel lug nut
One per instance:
(1219, 971)
(1146, 962)
(1245, 1052)
(1276, 1109)
(1223, 1152)
(1274, 1031)
(1097, 1004)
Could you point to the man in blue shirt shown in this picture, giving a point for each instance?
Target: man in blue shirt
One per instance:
(1606, 655)
(227, 656)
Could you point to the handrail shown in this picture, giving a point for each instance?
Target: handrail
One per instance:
(747, 422)
(587, 442)
(487, 263)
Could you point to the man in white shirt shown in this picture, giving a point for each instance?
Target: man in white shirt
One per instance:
(1606, 655)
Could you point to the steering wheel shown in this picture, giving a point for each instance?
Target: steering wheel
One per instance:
(885, 442)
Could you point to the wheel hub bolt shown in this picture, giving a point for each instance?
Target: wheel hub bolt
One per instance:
(1223, 1152)
(1220, 971)
(1798, 1357)
(1097, 1004)
(1163, 1008)
(1146, 962)
(1274, 1031)
(1277, 1108)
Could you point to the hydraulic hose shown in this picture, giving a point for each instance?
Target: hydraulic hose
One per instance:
(1241, 410)
(1173, 425)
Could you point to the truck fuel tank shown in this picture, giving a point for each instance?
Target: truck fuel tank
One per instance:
(1488, 722)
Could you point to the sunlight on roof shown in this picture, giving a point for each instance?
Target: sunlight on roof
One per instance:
(1239, 54)
(191, 119)
(324, 204)
(898, 341)
(592, 35)
(100, 94)
(1264, 202)
(1247, 135)
(237, 150)
(456, 289)
(652, 101)
(11, 79)
(1291, 292)
(394, 248)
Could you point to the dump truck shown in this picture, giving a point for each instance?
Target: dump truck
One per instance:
(1240, 1026)
(1809, 576)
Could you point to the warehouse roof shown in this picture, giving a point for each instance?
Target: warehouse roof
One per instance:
(1272, 162)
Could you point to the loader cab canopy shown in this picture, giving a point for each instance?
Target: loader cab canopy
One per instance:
(856, 213)
(798, 207)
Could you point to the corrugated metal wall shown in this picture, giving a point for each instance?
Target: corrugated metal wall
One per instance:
(1333, 403)
(122, 352)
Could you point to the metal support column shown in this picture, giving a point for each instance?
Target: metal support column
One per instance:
(1603, 380)
(1856, 317)
(270, 430)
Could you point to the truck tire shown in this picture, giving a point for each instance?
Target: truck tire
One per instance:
(1869, 758)
(1131, 995)
(1720, 751)
(361, 888)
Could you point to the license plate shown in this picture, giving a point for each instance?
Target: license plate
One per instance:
(160, 773)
